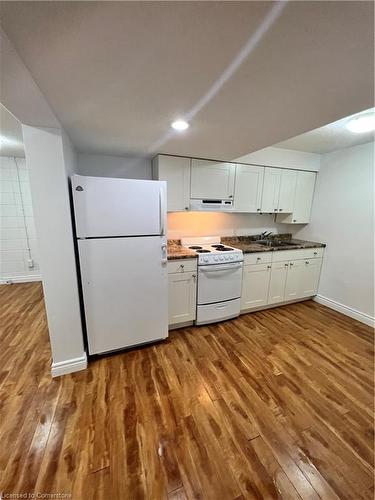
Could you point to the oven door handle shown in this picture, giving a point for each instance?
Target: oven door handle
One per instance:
(219, 267)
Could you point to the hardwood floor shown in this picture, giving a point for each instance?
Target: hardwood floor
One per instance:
(275, 404)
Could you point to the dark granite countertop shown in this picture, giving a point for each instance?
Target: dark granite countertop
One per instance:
(177, 251)
(246, 244)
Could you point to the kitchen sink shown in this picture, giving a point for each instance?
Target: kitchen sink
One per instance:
(273, 243)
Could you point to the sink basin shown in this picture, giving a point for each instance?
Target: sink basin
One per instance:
(272, 243)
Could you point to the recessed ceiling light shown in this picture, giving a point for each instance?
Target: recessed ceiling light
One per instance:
(365, 123)
(180, 125)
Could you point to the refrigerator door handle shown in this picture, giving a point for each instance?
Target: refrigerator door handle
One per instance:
(164, 259)
(162, 211)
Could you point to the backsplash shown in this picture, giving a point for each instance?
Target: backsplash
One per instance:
(185, 224)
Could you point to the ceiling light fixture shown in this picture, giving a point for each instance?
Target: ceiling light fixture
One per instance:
(180, 125)
(364, 123)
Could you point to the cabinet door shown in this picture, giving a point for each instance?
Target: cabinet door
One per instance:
(303, 197)
(212, 180)
(248, 188)
(279, 274)
(310, 277)
(176, 171)
(271, 188)
(287, 190)
(294, 282)
(255, 284)
(181, 297)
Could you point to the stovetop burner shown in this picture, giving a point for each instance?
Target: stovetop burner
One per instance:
(225, 249)
(218, 246)
(203, 251)
(195, 247)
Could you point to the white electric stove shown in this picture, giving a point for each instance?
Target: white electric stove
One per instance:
(219, 279)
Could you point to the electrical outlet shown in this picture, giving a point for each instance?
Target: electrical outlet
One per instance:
(30, 263)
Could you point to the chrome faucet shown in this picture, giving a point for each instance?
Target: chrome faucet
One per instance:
(265, 235)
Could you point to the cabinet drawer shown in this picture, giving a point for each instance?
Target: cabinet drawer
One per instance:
(257, 258)
(182, 265)
(304, 253)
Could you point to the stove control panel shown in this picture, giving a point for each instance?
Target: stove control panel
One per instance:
(218, 258)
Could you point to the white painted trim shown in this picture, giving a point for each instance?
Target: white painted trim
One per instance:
(20, 279)
(348, 311)
(184, 324)
(272, 306)
(69, 366)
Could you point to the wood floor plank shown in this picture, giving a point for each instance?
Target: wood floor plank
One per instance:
(274, 404)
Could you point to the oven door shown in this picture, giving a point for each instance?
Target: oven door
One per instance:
(217, 283)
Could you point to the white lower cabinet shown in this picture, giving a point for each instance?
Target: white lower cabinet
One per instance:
(279, 273)
(255, 283)
(294, 280)
(280, 280)
(310, 277)
(182, 286)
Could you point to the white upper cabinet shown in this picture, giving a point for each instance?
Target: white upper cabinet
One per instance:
(303, 198)
(271, 189)
(176, 171)
(248, 188)
(287, 190)
(278, 190)
(212, 180)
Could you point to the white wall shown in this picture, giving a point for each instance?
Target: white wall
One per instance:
(50, 158)
(287, 158)
(18, 240)
(343, 217)
(114, 166)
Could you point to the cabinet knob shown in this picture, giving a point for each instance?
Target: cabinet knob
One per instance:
(275, 209)
(194, 276)
(294, 220)
(258, 209)
(268, 267)
(259, 258)
(182, 266)
(307, 262)
(280, 209)
(315, 253)
(230, 196)
(286, 264)
(186, 208)
(291, 264)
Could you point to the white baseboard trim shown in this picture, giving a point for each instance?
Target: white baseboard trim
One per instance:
(348, 311)
(69, 366)
(20, 279)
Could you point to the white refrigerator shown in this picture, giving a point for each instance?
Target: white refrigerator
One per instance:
(121, 231)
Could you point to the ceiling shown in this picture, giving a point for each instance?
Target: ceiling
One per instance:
(11, 139)
(329, 138)
(116, 74)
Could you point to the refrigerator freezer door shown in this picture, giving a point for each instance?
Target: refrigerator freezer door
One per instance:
(118, 207)
(125, 290)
